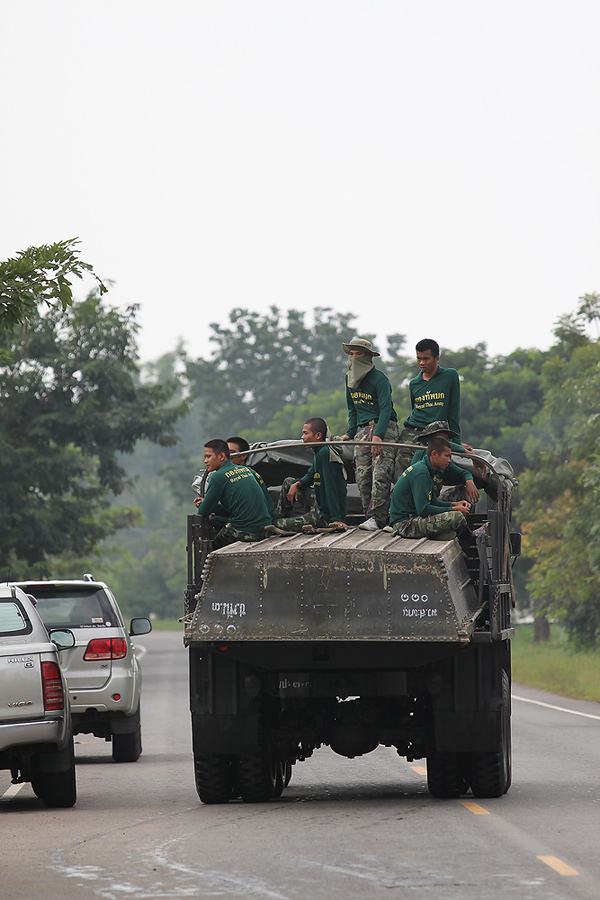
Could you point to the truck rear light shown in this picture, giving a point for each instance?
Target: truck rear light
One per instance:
(106, 648)
(54, 697)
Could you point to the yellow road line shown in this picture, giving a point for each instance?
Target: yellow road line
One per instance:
(476, 808)
(419, 770)
(558, 865)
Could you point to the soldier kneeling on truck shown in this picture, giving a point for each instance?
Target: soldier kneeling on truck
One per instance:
(416, 510)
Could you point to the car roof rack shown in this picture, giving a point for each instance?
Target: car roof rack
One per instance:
(88, 577)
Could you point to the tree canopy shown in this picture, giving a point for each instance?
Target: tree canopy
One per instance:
(40, 276)
(70, 403)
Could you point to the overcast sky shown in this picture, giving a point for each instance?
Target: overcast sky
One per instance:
(430, 166)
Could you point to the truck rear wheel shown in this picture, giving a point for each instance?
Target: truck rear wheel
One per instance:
(257, 776)
(446, 774)
(491, 773)
(214, 778)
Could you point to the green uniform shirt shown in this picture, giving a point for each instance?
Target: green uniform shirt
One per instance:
(435, 400)
(372, 399)
(454, 474)
(221, 515)
(329, 480)
(414, 494)
(236, 490)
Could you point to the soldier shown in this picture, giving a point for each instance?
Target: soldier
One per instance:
(327, 502)
(416, 511)
(454, 474)
(240, 445)
(434, 396)
(371, 417)
(233, 492)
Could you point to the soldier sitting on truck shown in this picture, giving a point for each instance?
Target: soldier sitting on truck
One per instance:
(464, 486)
(240, 445)
(326, 505)
(235, 493)
(416, 510)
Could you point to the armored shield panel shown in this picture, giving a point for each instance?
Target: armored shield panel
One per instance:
(336, 587)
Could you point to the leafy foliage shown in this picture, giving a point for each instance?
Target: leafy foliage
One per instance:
(70, 402)
(39, 275)
(264, 362)
(561, 487)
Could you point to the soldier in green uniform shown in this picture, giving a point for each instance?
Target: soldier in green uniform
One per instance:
(239, 445)
(234, 492)
(326, 501)
(416, 510)
(371, 417)
(455, 475)
(434, 396)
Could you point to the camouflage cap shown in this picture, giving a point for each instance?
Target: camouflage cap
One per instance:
(360, 344)
(434, 428)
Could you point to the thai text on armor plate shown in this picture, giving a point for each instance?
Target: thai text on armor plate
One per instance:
(230, 609)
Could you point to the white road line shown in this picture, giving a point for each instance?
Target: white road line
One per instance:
(12, 791)
(574, 712)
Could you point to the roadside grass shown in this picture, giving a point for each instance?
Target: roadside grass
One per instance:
(554, 666)
(166, 625)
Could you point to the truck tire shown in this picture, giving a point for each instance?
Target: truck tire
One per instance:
(446, 775)
(491, 773)
(57, 790)
(257, 776)
(214, 778)
(127, 747)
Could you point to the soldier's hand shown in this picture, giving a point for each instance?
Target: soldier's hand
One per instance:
(345, 437)
(472, 492)
(375, 450)
(198, 501)
(461, 506)
(293, 492)
(467, 447)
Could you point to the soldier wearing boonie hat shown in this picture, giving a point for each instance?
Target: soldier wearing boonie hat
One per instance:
(372, 418)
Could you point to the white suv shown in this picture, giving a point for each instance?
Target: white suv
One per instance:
(102, 671)
(36, 737)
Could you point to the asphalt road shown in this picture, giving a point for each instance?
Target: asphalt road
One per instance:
(364, 828)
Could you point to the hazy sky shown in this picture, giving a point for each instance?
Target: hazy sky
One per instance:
(430, 166)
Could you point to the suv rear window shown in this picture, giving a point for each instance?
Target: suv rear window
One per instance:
(13, 618)
(78, 608)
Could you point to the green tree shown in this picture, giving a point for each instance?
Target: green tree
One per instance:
(263, 362)
(40, 276)
(561, 487)
(70, 403)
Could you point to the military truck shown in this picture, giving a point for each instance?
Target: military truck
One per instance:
(352, 640)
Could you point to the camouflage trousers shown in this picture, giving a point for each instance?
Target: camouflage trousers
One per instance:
(442, 527)
(404, 457)
(229, 535)
(306, 498)
(374, 474)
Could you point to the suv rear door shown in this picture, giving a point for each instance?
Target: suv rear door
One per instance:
(86, 611)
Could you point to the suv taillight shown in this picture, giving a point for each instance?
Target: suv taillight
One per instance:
(54, 697)
(106, 648)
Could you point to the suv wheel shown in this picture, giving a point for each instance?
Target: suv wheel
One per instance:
(127, 747)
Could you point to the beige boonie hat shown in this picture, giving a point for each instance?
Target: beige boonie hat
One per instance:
(434, 428)
(360, 344)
